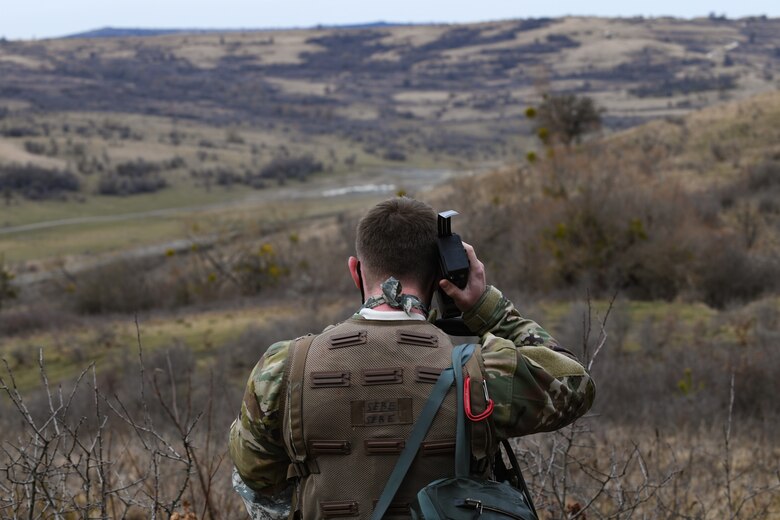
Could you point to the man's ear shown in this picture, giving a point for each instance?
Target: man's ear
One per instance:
(354, 270)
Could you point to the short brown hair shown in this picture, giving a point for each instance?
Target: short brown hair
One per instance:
(397, 237)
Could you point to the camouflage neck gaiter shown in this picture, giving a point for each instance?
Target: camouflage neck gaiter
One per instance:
(391, 295)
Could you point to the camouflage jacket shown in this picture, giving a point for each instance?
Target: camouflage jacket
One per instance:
(536, 386)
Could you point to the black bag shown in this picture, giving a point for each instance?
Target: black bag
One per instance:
(460, 497)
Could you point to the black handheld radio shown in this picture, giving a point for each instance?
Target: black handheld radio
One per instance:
(453, 266)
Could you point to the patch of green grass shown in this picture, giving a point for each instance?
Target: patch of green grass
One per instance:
(67, 352)
(239, 207)
(88, 239)
(681, 323)
(182, 195)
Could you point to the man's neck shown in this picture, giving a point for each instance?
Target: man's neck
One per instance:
(391, 314)
(392, 294)
(386, 308)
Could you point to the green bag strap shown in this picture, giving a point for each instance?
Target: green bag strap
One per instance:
(462, 444)
(521, 485)
(460, 354)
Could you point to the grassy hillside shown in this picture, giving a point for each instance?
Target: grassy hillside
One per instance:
(128, 126)
(457, 74)
(682, 208)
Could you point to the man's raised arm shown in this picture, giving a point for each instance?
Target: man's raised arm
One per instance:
(536, 384)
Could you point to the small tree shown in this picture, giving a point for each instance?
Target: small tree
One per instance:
(566, 117)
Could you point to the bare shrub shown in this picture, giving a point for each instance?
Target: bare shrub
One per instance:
(647, 456)
(764, 175)
(727, 273)
(288, 168)
(33, 317)
(131, 178)
(767, 322)
(36, 183)
(584, 471)
(112, 458)
(35, 147)
(8, 290)
(241, 354)
(394, 154)
(620, 324)
(120, 286)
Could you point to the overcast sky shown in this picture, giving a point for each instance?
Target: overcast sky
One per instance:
(24, 19)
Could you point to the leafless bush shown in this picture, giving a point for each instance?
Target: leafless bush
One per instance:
(728, 273)
(121, 286)
(241, 354)
(81, 451)
(36, 183)
(764, 175)
(587, 472)
(134, 177)
(8, 290)
(661, 441)
(767, 324)
(34, 317)
(623, 466)
(287, 168)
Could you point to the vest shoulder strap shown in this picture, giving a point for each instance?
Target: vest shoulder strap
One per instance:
(297, 366)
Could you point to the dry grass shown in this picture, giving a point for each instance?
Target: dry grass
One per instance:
(717, 463)
(592, 471)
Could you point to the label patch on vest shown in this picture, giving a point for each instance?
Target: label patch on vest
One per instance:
(382, 412)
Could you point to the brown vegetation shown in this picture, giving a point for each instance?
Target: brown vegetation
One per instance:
(36, 183)
(395, 90)
(613, 215)
(680, 430)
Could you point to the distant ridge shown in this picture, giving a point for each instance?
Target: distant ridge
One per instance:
(123, 32)
(117, 32)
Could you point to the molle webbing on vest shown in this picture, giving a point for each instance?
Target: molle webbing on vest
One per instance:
(330, 379)
(354, 395)
(384, 446)
(416, 338)
(383, 376)
(350, 339)
(339, 509)
(446, 446)
(427, 374)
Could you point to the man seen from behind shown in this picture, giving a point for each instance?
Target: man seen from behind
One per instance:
(325, 417)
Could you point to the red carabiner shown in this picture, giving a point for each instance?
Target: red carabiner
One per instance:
(467, 401)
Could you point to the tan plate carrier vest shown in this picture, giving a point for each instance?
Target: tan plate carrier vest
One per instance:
(353, 395)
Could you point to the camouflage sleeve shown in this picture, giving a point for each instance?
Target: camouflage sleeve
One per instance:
(263, 507)
(256, 444)
(535, 384)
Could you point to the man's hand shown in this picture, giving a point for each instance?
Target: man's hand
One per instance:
(467, 297)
